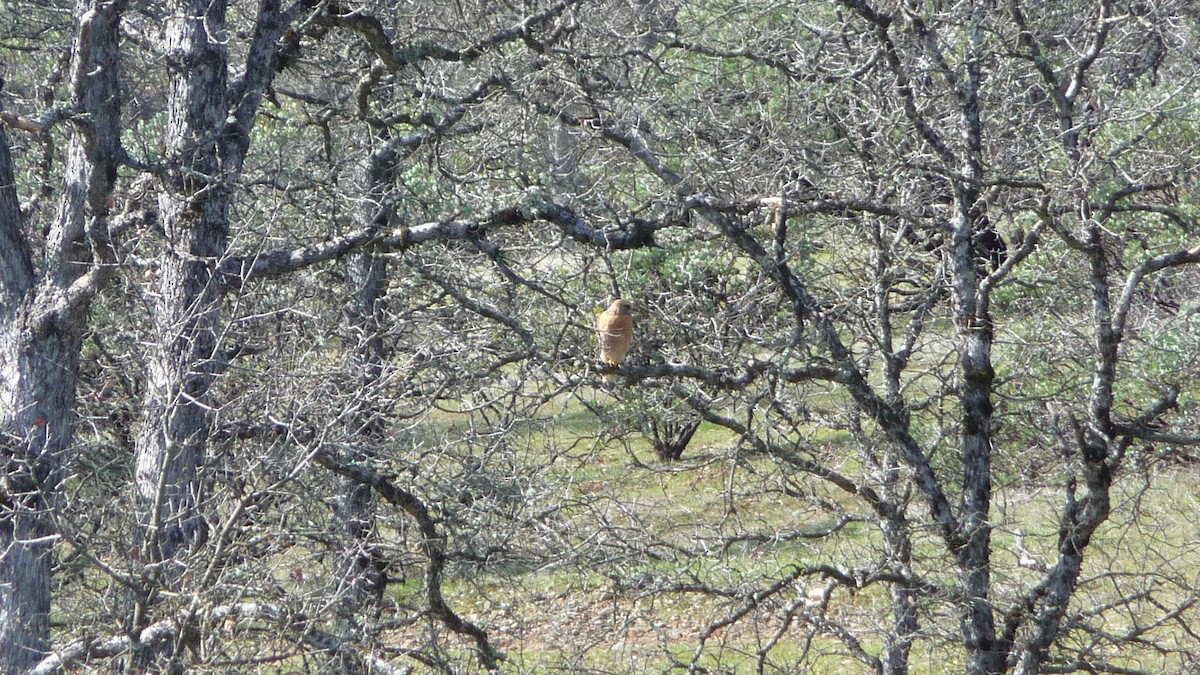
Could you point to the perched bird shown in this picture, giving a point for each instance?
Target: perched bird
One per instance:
(615, 330)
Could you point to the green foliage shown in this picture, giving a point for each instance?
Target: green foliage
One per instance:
(683, 267)
(1167, 354)
(143, 138)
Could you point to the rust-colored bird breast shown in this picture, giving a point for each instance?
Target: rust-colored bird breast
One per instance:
(615, 329)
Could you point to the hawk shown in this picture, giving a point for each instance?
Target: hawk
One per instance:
(615, 330)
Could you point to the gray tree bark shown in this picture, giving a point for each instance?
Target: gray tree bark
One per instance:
(976, 335)
(185, 298)
(209, 121)
(43, 316)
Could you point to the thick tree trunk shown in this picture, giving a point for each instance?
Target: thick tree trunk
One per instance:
(182, 364)
(39, 391)
(974, 557)
(185, 301)
(42, 322)
(24, 572)
(205, 143)
(39, 388)
(971, 308)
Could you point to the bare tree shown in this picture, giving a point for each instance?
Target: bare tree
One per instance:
(909, 137)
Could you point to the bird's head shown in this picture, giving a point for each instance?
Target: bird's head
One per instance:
(620, 306)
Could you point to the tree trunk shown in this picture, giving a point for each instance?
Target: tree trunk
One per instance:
(24, 568)
(972, 315)
(42, 322)
(974, 557)
(38, 403)
(205, 143)
(1083, 515)
(893, 523)
(361, 578)
(185, 300)
(39, 387)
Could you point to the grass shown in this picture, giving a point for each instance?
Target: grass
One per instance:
(670, 524)
(607, 594)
